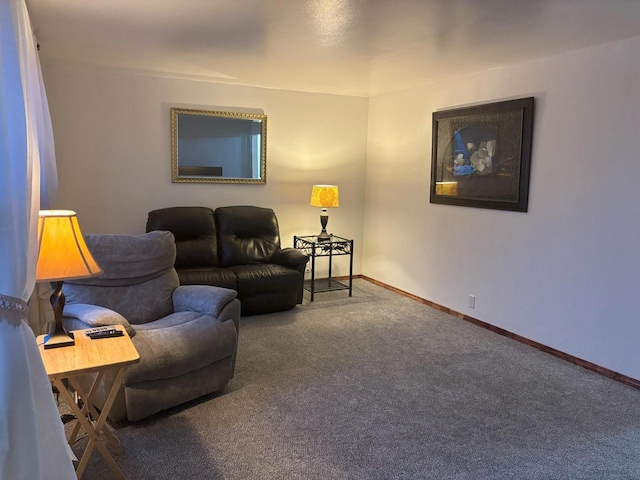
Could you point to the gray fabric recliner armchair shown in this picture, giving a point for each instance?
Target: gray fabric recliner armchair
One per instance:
(186, 335)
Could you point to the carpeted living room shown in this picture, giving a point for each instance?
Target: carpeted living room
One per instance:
(380, 386)
(334, 239)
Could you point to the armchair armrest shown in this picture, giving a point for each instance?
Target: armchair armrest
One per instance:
(204, 299)
(94, 316)
(290, 257)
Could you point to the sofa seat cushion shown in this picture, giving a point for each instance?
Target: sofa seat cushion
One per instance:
(265, 278)
(219, 277)
(178, 344)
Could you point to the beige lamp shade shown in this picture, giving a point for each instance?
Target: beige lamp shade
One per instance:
(325, 196)
(63, 254)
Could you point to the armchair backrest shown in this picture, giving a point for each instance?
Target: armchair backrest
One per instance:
(194, 231)
(138, 280)
(246, 235)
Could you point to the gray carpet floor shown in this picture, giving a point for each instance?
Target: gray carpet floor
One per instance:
(379, 386)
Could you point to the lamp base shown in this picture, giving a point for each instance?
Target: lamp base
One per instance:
(324, 236)
(324, 219)
(58, 339)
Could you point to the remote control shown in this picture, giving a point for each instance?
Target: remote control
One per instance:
(106, 334)
(91, 331)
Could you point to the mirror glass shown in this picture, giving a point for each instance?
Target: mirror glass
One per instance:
(218, 147)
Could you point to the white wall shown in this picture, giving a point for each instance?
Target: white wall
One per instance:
(112, 133)
(564, 274)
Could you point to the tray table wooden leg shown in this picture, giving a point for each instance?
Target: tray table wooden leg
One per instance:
(93, 431)
(90, 410)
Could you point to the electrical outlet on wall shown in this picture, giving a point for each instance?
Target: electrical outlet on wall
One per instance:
(472, 301)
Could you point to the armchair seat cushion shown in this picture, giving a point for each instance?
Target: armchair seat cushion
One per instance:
(178, 344)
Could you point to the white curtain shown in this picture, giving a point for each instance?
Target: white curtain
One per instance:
(32, 441)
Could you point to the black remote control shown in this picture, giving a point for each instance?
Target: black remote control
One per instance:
(105, 334)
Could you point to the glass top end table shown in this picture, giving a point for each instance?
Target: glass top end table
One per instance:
(315, 247)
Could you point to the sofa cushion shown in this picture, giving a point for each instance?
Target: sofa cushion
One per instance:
(246, 235)
(178, 344)
(220, 277)
(204, 299)
(194, 231)
(254, 280)
(135, 268)
(267, 288)
(127, 260)
(77, 316)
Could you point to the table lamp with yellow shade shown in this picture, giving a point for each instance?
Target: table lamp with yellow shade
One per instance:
(325, 196)
(62, 255)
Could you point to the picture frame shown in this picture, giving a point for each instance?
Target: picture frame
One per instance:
(210, 146)
(481, 155)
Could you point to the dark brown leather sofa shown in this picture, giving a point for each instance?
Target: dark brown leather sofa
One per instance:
(236, 247)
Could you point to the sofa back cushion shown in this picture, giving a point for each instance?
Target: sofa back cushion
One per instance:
(194, 231)
(246, 235)
(138, 279)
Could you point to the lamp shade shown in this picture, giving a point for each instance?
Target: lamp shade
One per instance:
(325, 196)
(62, 252)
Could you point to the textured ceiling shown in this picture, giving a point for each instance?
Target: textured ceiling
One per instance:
(353, 47)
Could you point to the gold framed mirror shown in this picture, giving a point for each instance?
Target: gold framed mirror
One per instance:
(218, 147)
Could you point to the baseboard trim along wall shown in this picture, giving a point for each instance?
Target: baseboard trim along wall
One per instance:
(632, 382)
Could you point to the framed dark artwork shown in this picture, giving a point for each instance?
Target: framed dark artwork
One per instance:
(481, 156)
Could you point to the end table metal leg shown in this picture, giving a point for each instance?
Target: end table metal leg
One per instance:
(351, 269)
(313, 274)
(330, 262)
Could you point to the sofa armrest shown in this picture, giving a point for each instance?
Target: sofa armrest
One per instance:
(204, 299)
(94, 316)
(290, 257)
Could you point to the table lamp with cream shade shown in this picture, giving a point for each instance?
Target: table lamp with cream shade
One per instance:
(325, 196)
(62, 255)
